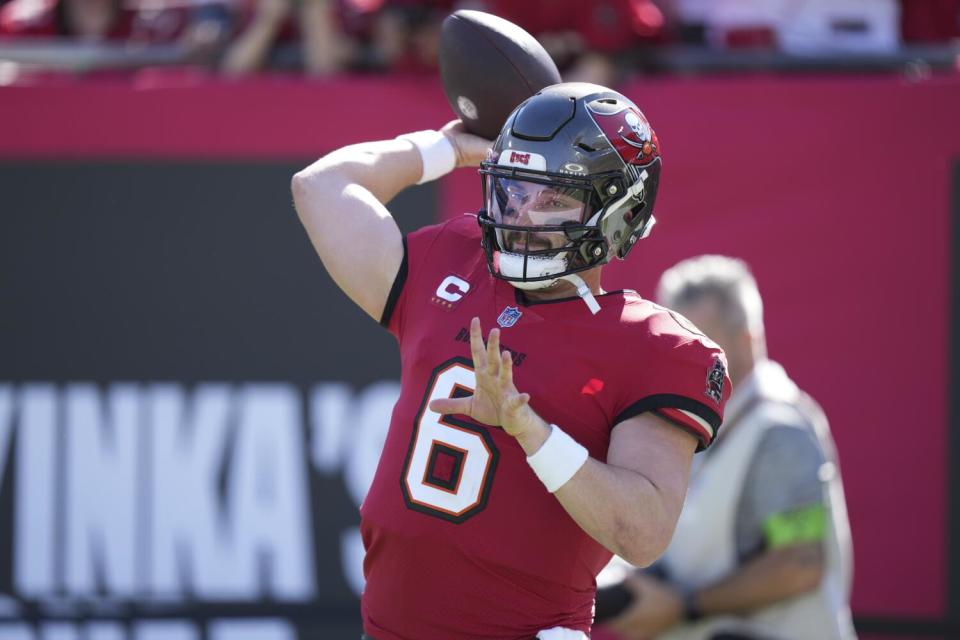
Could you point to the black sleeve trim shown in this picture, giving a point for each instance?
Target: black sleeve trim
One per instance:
(670, 401)
(396, 289)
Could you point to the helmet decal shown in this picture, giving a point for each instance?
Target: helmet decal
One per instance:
(630, 134)
(522, 159)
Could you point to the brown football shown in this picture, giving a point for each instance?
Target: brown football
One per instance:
(489, 66)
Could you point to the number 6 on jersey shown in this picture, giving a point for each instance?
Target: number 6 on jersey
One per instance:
(450, 464)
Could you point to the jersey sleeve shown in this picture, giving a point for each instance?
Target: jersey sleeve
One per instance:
(416, 248)
(420, 250)
(681, 375)
(392, 314)
(783, 500)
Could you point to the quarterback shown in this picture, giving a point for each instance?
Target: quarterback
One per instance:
(543, 423)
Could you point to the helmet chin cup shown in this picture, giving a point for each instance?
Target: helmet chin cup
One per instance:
(533, 286)
(511, 266)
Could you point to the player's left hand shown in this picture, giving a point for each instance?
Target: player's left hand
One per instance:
(656, 607)
(495, 401)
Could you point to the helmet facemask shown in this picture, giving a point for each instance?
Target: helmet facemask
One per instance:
(538, 227)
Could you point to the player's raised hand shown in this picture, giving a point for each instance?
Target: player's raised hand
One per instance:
(495, 400)
(471, 149)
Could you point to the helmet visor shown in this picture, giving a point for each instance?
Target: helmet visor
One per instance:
(534, 217)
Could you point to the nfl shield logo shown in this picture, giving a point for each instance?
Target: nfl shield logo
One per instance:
(509, 317)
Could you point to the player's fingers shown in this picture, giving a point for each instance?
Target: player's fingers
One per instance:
(454, 126)
(476, 345)
(515, 403)
(451, 405)
(506, 369)
(493, 352)
(470, 149)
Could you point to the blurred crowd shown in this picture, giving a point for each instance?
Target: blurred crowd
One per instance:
(592, 40)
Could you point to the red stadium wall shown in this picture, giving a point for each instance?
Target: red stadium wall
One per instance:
(835, 190)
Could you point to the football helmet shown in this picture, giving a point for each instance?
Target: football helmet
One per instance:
(570, 183)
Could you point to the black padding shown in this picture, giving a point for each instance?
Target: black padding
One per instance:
(542, 118)
(611, 601)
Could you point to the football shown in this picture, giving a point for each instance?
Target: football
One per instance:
(489, 66)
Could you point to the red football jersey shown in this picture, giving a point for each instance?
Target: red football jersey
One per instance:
(462, 539)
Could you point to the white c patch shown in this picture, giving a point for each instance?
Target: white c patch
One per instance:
(452, 288)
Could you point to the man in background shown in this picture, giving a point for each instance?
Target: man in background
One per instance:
(762, 548)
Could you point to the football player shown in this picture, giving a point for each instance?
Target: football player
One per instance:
(513, 469)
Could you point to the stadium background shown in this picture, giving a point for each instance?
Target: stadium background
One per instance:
(190, 412)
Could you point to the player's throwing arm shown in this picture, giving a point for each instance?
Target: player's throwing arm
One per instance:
(341, 201)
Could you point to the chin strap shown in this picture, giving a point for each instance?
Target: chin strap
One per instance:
(583, 291)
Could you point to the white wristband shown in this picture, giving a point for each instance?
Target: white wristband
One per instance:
(436, 151)
(557, 459)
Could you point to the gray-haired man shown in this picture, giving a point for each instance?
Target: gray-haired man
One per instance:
(762, 548)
